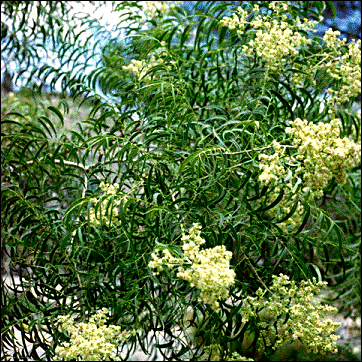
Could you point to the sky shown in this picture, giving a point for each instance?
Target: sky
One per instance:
(49, 57)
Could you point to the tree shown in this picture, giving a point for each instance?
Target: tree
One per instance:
(194, 202)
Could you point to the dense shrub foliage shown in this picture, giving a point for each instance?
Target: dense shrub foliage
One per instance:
(211, 190)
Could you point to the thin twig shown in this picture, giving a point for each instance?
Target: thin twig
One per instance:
(177, 215)
(256, 149)
(68, 163)
(255, 272)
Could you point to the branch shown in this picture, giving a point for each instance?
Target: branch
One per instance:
(68, 163)
(257, 149)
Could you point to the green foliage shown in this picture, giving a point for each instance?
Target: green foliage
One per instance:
(181, 138)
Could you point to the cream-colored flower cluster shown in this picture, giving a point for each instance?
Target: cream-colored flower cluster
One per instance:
(213, 353)
(137, 67)
(167, 259)
(275, 172)
(321, 155)
(152, 8)
(235, 356)
(92, 341)
(237, 21)
(208, 270)
(106, 211)
(346, 67)
(145, 11)
(141, 67)
(341, 61)
(292, 313)
(276, 40)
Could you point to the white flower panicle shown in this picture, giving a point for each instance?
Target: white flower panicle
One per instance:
(137, 67)
(152, 8)
(276, 173)
(321, 155)
(346, 67)
(213, 353)
(106, 212)
(210, 273)
(304, 315)
(148, 10)
(92, 341)
(141, 67)
(207, 270)
(168, 259)
(276, 40)
(341, 62)
(157, 58)
(237, 21)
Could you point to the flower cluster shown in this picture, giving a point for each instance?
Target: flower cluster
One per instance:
(321, 155)
(276, 40)
(235, 356)
(341, 62)
(141, 68)
(213, 353)
(276, 173)
(137, 67)
(168, 259)
(237, 21)
(106, 211)
(208, 270)
(92, 341)
(346, 67)
(152, 8)
(292, 313)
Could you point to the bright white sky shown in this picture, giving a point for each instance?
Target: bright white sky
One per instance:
(106, 17)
